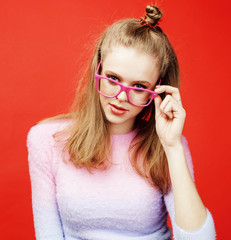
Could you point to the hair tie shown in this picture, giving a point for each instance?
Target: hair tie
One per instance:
(144, 23)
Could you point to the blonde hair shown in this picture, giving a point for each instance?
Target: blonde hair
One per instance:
(89, 141)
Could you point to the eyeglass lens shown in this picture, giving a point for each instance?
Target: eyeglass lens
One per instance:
(111, 89)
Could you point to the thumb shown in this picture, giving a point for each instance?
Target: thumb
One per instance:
(157, 101)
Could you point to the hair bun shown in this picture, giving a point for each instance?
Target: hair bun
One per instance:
(153, 15)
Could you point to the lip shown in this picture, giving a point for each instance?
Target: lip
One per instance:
(117, 110)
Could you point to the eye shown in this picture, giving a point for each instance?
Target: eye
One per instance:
(138, 85)
(113, 77)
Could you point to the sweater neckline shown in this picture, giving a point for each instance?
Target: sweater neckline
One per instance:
(124, 136)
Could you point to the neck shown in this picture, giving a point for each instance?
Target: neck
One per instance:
(120, 128)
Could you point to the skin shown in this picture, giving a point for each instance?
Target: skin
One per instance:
(190, 213)
(131, 66)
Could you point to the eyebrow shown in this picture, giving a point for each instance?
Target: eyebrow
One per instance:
(117, 75)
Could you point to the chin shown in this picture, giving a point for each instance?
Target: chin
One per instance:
(114, 119)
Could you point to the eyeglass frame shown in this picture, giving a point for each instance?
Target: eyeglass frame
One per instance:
(123, 88)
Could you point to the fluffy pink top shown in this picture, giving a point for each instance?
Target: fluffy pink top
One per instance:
(70, 203)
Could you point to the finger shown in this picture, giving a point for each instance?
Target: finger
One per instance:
(168, 110)
(166, 101)
(166, 88)
(161, 107)
(157, 101)
(170, 107)
(173, 91)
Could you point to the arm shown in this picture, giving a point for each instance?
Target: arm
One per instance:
(206, 231)
(45, 211)
(189, 212)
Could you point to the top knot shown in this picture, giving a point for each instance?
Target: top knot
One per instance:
(152, 17)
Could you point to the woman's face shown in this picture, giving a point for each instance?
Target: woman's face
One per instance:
(129, 67)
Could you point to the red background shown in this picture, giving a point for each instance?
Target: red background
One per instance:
(42, 45)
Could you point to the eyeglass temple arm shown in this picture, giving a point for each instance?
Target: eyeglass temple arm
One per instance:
(97, 70)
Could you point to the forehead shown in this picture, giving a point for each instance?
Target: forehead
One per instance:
(131, 64)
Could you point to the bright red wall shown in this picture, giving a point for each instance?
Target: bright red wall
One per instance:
(42, 44)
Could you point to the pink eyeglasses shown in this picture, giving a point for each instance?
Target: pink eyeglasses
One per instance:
(137, 96)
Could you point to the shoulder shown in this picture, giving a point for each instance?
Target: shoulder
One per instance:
(43, 133)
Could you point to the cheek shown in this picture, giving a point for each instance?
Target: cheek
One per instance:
(137, 110)
(102, 100)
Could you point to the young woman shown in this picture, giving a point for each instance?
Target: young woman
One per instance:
(117, 164)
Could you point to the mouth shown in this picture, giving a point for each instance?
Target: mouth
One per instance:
(117, 107)
(117, 110)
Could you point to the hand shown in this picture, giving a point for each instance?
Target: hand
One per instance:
(170, 116)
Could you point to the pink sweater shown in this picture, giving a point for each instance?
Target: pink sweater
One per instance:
(70, 203)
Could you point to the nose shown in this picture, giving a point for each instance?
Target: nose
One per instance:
(122, 96)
